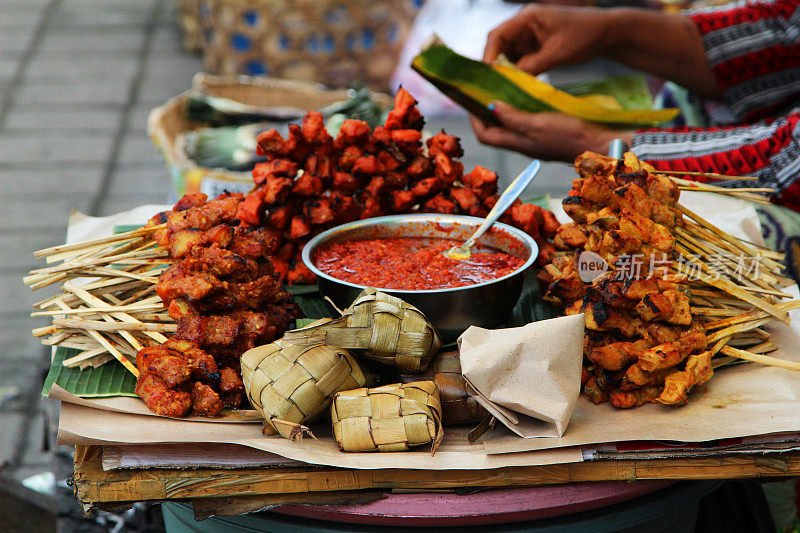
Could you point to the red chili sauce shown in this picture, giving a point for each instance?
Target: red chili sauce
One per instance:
(411, 263)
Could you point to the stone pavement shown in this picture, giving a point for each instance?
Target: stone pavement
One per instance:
(77, 80)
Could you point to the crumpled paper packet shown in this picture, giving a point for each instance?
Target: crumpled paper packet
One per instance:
(529, 378)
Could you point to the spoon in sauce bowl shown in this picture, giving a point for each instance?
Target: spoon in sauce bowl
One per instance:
(512, 192)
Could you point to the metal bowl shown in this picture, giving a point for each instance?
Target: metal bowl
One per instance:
(451, 310)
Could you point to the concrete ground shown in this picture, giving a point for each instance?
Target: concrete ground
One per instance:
(77, 81)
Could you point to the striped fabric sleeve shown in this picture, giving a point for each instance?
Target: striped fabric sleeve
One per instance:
(754, 51)
(769, 149)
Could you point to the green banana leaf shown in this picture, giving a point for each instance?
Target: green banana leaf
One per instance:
(474, 84)
(110, 379)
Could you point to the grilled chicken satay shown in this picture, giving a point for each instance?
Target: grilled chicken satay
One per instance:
(602, 317)
(678, 384)
(628, 399)
(670, 306)
(571, 235)
(661, 357)
(629, 170)
(647, 231)
(639, 323)
(577, 207)
(561, 282)
(619, 355)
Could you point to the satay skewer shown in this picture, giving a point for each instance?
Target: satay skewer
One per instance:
(94, 325)
(147, 230)
(98, 309)
(694, 186)
(711, 175)
(740, 245)
(738, 292)
(760, 358)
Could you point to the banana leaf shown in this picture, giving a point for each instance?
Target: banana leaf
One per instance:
(473, 85)
(110, 379)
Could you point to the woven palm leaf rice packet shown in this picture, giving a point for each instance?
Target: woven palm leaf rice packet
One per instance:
(388, 329)
(388, 419)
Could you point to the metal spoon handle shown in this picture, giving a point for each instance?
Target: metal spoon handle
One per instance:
(506, 199)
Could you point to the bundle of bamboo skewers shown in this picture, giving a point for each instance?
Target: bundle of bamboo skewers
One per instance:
(107, 308)
(734, 300)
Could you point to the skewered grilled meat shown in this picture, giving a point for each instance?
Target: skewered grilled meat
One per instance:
(670, 306)
(662, 357)
(639, 324)
(226, 298)
(634, 398)
(160, 398)
(618, 355)
(311, 181)
(678, 384)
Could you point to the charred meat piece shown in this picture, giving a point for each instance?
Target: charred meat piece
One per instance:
(629, 399)
(678, 384)
(670, 306)
(159, 398)
(201, 363)
(231, 387)
(618, 355)
(164, 363)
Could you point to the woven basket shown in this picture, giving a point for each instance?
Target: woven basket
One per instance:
(189, 22)
(336, 42)
(167, 125)
(294, 383)
(458, 405)
(391, 418)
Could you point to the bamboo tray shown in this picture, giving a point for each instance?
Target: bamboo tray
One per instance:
(95, 487)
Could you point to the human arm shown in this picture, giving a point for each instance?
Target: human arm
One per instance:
(541, 37)
(769, 149)
(550, 135)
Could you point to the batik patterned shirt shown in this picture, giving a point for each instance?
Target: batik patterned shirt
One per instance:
(754, 52)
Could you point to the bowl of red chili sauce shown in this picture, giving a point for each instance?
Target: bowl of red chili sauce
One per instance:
(402, 255)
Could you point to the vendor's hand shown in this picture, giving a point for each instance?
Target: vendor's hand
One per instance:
(541, 37)
(549, 135)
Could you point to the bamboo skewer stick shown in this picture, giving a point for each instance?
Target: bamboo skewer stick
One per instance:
(760, 358)
(711, 175)
(98, 309)
(695, 186)
(724, 236)
(119, 356)
(94, 325)
(124, 317)
(102, 240)
(711, 312)
(738, 292)
(112, 272)
(743, 195)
